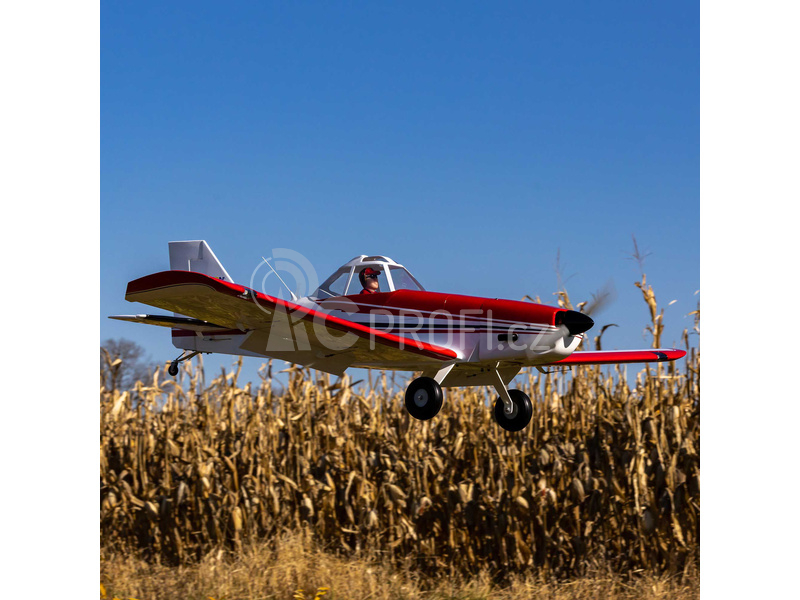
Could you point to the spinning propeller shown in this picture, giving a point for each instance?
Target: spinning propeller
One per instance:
(573, 322)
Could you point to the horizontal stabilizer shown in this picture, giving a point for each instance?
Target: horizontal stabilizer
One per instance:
(170, 321)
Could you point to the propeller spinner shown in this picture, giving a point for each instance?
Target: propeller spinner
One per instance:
(575, 322)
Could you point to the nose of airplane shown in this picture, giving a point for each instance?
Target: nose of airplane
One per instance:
(574, 321)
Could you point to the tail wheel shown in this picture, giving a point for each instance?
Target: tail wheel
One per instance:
(424, 398)
(520, 415)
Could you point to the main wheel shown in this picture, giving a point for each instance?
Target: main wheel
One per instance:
(521, 415)
(424, 398)
(173, 369)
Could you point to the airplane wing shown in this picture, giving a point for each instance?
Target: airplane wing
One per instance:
(279, 328)
(604, 357)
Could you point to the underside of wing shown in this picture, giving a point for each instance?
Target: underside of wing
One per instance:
(604, 357)
(171, 321)
(282, 329)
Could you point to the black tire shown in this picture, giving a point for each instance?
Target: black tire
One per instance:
(173, 369)
(424, 398)
(523, 411)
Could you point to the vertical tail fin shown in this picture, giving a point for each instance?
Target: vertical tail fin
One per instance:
(196, 256)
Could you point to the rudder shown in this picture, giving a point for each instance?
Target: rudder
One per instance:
(198, 257)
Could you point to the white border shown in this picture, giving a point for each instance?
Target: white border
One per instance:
(749, 161)
(51, 191)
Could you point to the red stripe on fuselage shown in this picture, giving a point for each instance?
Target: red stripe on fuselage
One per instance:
(455, 305)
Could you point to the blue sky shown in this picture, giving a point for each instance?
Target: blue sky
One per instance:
(468, 141)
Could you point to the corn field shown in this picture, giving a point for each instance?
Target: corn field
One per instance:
(606, 476)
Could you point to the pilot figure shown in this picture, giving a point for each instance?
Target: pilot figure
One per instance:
(369, 280)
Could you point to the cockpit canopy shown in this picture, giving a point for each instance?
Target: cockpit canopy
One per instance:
(345, 281)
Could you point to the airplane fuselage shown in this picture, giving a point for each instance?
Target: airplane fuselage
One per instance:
(478, 330)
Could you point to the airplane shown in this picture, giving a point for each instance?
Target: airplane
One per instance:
(372, 313)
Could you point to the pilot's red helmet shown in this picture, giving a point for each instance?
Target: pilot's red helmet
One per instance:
(362, 276)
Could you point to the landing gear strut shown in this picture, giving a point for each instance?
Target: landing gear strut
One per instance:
(173, 366)
(513, 409)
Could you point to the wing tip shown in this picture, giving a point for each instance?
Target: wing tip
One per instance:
(669, 354)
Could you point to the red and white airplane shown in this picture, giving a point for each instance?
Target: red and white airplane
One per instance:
(372, 313)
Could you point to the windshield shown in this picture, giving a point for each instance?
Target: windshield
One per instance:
(335, 285)
(403, 280)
